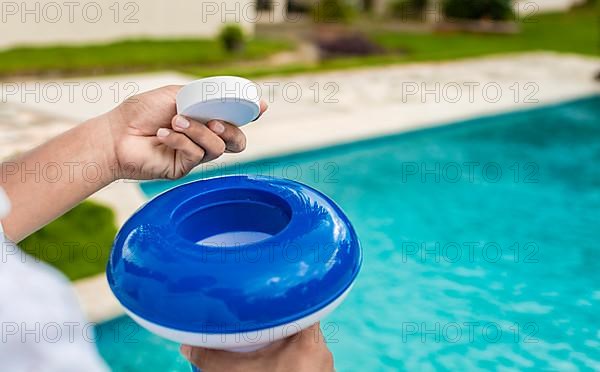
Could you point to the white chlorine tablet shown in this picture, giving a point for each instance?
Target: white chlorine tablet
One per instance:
(228, 98)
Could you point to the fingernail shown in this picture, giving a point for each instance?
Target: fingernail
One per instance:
(217, 127)
(186, 351)
(182, 122)
(162, 132)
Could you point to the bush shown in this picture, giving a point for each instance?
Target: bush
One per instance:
(263, 5)
(78, 243)
(478, 9)
(295, 6)
(355, 44)
(406, 9)
(232, 38)
(332, 11)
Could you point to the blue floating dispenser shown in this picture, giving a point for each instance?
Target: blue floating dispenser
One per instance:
(234, 263)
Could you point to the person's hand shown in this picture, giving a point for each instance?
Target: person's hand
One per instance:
(140, 139)
(303, 352)
(151, 141)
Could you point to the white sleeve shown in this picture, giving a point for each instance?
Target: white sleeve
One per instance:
(41, 324)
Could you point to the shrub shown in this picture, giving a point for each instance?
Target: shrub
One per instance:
(332, 11)
(232, 38)
(295, 6)
(263, 5)
(355, 44)
(478, 9)
(406, 9)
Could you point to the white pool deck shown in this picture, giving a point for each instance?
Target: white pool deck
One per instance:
(334, 107)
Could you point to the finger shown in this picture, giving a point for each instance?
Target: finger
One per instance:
(235, 140)
(165, 94)
(198, 356)
(212, 144)
(313, 334)
(190, 153)
(263, 107)
(217, 360)
(308, 338)
(193, 354)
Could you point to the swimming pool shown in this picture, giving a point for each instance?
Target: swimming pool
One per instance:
(479, 241)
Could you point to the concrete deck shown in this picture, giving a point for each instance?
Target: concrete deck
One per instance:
(332, 108)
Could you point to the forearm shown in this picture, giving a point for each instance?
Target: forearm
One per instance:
(47, 181)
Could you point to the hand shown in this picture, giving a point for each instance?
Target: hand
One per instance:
(303, 352)
(151, 141)
(140, 139)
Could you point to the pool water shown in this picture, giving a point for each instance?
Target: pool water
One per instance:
(480, 246)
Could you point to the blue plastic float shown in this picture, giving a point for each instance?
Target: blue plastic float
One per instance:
(234, 263)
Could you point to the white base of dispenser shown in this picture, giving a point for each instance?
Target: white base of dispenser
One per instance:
(243, 341)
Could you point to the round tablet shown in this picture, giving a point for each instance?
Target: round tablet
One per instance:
(228, 98)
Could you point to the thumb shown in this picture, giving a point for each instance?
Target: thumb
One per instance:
(210, 359)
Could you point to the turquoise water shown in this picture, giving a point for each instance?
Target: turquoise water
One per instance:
(480, 247)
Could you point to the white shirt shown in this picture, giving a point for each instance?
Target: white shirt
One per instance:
(41, 324)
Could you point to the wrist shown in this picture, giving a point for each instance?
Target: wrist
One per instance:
(101, 140)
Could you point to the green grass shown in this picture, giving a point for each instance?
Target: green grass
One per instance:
(78, 243)
(576, 31)
(572, 32)
(133, 55)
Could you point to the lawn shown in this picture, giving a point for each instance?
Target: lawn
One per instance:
(572, 32)
(132, 55)
(576, 31)
(78, 243)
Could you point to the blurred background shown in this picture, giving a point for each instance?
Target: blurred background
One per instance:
(360, 94)
(268, 37)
